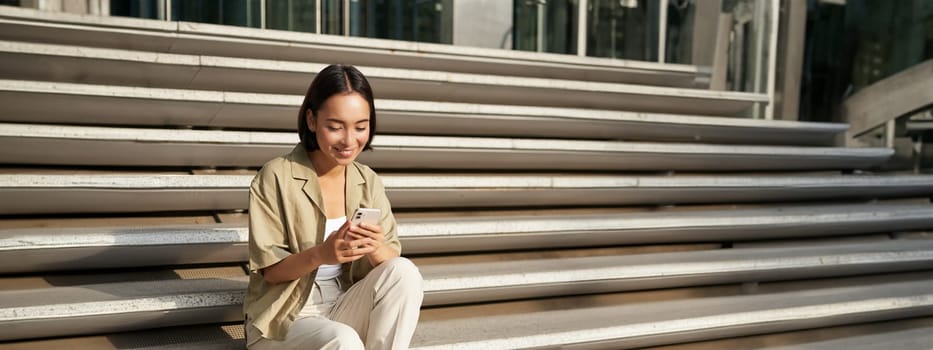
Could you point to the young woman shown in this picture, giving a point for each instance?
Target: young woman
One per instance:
(316, 280)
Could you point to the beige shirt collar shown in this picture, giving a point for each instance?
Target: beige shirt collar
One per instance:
(303, 170)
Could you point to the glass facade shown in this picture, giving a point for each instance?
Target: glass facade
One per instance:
(137, 8)
(545, 26)
(244, 13)
(643, 30)
(887, 37)
(748, 44)
(626, 29)
(681, 17)
(623, 29)
(633, 30)
(332, 17)
(419, 20)
(293, 15)
(852, 45)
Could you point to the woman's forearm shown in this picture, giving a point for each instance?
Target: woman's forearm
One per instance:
(292, 267)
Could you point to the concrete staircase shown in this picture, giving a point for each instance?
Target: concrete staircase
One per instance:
(549, 201)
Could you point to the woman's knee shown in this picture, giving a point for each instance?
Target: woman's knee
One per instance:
(405, 271)
(341, 336)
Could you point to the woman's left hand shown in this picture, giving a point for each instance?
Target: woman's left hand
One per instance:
(373, 232)
(377, 240)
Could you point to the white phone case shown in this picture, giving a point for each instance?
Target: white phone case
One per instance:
(370, 216)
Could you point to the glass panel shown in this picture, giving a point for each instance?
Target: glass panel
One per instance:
(332, 17)
(680, 21)
(9, 2)
(419, 20)
(821, 85)
(294, 15)
(748, 49)
(243, 13)
(136, 8)
(854, 44)
(426, 21)
(545, 26)
(525, 19)
(623, 29)
(887, 37)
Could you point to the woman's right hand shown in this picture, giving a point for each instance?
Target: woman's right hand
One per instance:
(337, 250)
(334, 250)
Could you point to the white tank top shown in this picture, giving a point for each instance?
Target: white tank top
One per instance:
(326, 272)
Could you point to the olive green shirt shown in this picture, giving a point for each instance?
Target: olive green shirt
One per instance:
(286, 216)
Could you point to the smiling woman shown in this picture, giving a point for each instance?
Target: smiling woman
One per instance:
(317, 281)
(342, 127)
(335, 81)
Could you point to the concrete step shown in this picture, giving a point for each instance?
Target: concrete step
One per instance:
(198, 38)
(123, 193)
(79, 64)
(119, 306)
(86, 145)
(616, 321)
(457, 283)
(33, 250)
(507, 232)
(24, 250)
(910, 334)
(67, 103)
(201, 337)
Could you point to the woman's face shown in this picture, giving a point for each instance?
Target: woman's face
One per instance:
(341, 128)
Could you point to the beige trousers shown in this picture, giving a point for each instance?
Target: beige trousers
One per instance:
(378, 312)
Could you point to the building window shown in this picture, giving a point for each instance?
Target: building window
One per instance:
(332, 17)
(293, 15)
(748, 45)
(244, 13)
(853, 44)
(623, 29)
(681, 19)
(545, 26)
(419, 20)
(138, 8)
(409, 20)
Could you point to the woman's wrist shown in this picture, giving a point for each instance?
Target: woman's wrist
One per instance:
(311, 257)
(385, 252)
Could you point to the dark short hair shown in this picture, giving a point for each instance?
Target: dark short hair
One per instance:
(332, 80)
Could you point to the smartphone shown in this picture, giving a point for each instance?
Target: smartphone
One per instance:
(369, 216)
